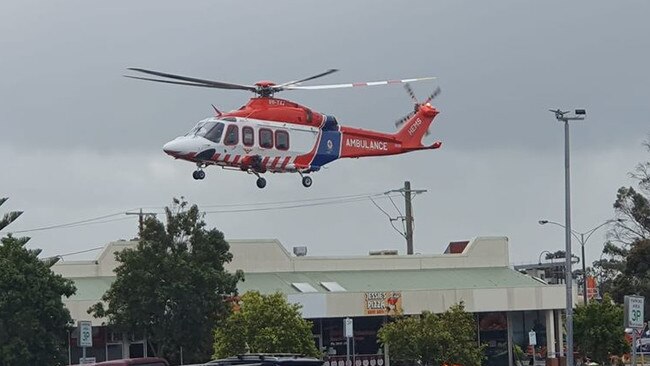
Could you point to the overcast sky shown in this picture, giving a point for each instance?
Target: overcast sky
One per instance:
(80, 141)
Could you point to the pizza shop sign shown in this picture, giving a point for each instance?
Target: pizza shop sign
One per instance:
(383, 303)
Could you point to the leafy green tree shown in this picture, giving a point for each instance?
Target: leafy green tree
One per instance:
(625, 269)
(9, 217)
(33, 320)
(434, 339)
(264, 324)
(171, 288)
(598, 330)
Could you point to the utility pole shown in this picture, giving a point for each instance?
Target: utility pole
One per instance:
(409, 217)
(408, 194)
(141, 216)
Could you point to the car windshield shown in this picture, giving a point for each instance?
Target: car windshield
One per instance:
(211, 131)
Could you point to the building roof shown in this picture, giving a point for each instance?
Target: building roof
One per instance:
(476, 273)
(92, 288)
(367, 281)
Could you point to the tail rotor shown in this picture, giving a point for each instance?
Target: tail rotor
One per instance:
(411, 94)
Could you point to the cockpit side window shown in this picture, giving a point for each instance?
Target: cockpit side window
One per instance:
(266, 138)
(214, 133)
(232, 135)
(247, 136)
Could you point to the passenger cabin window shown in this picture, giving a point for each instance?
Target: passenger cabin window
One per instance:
(247, 136)
(266, 138)
(213, 131)
(282, 140)
(232, 135)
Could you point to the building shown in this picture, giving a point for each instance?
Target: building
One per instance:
(507, 304)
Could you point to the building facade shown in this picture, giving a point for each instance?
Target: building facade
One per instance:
(507, 304)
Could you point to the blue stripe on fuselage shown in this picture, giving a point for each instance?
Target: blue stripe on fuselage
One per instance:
(330, 124)
(329, 148)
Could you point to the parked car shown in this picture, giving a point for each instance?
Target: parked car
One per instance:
(265, 359)
(145, 361)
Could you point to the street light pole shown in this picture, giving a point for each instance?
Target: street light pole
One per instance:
(582, 239)
(562, 117)
(584, 270)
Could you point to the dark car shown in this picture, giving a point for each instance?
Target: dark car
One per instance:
(267, 359)
(146, 361)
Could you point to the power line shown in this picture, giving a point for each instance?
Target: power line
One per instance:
(79, 252)
(313, 204)
(273, 202)
(275, 205)
(390, 218)
(364, 195)
(69, 224)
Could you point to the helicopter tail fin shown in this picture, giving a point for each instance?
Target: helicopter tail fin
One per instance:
(416, 127)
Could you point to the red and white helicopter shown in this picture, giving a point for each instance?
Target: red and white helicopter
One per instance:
(275, 135)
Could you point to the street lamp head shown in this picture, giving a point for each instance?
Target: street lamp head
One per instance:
(542, 222)
(558, 112)
(580, 111)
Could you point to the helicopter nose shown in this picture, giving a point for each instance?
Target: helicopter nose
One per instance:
(167, 148)
(172, 148)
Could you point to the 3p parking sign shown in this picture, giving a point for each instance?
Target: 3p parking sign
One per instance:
(634, 311)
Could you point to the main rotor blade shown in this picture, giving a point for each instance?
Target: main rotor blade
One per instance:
(169, 81)
(351, 85)
(307, 79)
(212, 83)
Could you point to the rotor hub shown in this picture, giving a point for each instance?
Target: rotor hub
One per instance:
(264, 84)
(265, 88)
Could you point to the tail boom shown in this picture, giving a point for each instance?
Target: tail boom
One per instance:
(357, 142)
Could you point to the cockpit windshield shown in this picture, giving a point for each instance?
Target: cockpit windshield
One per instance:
(211, 131)
(196, 128)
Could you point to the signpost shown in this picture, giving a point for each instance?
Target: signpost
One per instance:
(532, 338)
(634, 318)
(349, 333)
(85, 337)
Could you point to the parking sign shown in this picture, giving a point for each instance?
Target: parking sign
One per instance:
(85, 333)
(634, 311)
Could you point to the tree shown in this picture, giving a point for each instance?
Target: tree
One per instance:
(33, 320)
(434, 339)
(171, 288)
(9, 217)
(265, 324)
(598, 330)
(625, 270)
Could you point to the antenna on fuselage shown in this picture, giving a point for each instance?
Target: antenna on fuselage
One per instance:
(216, 110)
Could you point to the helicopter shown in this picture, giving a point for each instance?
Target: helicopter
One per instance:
(273, 135)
